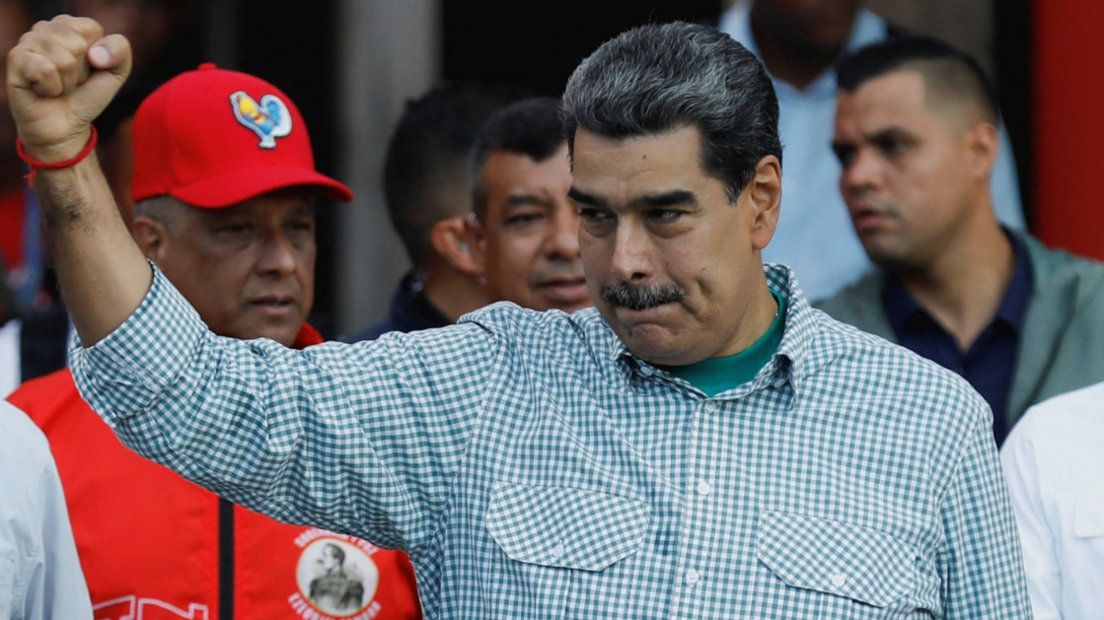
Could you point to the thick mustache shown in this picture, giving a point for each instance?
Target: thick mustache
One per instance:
(641, 297)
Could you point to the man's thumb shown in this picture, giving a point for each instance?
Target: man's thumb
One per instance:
(111, 61)
(112, 54)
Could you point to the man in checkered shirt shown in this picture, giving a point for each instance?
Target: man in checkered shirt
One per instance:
(703, 445)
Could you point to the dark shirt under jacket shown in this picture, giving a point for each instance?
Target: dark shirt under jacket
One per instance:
(989, 363)
(411, 311)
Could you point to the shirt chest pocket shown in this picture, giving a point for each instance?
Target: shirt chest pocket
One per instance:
(556, 544)
(830, 569)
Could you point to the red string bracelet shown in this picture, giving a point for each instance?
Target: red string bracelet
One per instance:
(37, 165)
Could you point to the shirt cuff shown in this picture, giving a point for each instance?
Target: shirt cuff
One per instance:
(126, 372)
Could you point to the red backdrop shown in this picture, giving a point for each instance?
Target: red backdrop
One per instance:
(1069, 124)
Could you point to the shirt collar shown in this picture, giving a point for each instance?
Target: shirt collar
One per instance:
(1013, 308)
(868, 28)
(901, 308)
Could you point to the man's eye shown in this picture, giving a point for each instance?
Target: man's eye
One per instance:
(523, 218)
(591, 214)
(235, 229)
(664, 215)
(845, 154)
(892, 147)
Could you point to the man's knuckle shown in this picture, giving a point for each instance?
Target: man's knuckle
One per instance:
(66, 64)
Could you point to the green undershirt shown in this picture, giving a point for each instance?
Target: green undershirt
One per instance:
(718, 374)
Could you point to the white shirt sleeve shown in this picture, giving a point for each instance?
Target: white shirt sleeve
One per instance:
(40, 574)
(1052, 462)
(1021, 471)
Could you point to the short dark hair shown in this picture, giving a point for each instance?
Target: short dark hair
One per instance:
(659, 78)
(430, 149)
(531, 127)
(946, 70)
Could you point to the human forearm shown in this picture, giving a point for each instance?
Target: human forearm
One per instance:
(60, 77)
(342, 437)
(102, 273)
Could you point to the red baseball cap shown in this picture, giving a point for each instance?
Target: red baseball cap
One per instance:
(213, 138)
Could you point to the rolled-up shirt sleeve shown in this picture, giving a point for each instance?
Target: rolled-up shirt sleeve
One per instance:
(361, 438)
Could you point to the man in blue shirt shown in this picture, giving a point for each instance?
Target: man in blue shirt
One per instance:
(799, 41)
(550, 465)
(916, 137)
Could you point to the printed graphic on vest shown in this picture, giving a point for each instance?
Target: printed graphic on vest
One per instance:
(131, 607)
(337, 577)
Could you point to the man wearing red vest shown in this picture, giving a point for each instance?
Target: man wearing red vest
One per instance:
(224, 186)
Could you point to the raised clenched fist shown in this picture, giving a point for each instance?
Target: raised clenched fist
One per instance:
(61, 76)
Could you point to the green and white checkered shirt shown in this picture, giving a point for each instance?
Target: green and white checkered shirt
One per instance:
(533, 468)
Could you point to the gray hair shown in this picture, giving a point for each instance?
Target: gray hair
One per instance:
(162, 208)
(659, 78)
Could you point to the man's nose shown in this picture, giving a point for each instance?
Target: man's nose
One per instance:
(277, 255)
(562, 240)
(630, 261)
(864, 171)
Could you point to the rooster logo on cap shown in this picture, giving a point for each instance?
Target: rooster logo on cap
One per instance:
(269, 119)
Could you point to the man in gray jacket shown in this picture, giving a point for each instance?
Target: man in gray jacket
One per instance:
(916, 136)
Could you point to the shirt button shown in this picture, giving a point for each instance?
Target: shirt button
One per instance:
(692, 577)
(838, 579)
(557, 551)
(646, 371)
(704, 488)
(711, 406)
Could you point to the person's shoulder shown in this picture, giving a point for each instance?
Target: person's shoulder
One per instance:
(22, 444)
(57, 381)
(858, 299)
(1049, 263)
(852, 346)
(550, 333)
(510, 317)
(44, 397)
(1065, 418)
(864, 368)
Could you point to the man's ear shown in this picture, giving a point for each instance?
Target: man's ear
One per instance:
(764, 193)
(151, 236)
(477, 242)
(983, 142)
(450, 239)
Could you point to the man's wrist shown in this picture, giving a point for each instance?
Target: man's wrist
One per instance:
(55, 152)
(36, 164)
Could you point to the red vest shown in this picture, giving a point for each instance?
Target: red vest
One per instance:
(149, 540)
